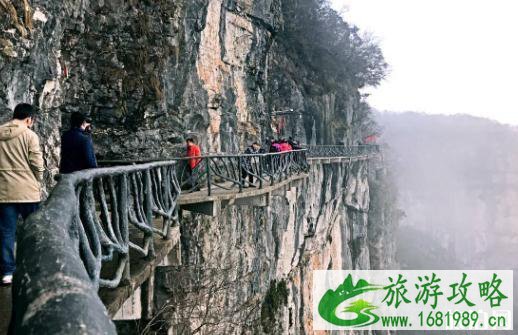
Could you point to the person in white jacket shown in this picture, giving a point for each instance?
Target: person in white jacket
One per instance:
(21, 173)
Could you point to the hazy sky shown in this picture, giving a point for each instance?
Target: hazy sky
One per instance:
(446, 56)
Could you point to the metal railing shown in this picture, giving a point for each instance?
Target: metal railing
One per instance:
(110, 201)
(228, 172)
(84, 225)
(232, 171)
(82, 236)
(326, 151)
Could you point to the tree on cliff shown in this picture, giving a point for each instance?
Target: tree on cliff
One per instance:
(334, 50)
(202, 299)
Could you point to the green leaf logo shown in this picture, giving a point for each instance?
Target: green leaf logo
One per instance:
(327, 308)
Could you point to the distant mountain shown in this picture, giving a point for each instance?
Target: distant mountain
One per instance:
(417, 250)
(458, 181)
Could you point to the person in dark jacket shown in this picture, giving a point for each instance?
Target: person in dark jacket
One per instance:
(77, 150)
(294, 144)
(247, 168)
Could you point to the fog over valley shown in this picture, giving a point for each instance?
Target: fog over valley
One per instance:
(457, 178)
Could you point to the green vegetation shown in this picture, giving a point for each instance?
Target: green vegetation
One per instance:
(276, 296)
(332, 49)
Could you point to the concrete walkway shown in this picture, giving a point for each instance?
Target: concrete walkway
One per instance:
(140, 270)
(233, 193)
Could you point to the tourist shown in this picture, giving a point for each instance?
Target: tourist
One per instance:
(285, 146)
(21, 173)
(246, 164)
(194, 153)
(275, 146)
(77, 150)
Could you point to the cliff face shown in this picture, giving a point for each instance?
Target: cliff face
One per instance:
(151, 73)
(249, 270)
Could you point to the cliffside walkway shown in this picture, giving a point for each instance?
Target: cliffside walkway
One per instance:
(102, 232)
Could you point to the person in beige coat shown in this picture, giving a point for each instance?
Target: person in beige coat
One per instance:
(21, 173)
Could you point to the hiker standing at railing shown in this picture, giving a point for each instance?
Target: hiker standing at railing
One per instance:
(247, 168)
(77, 149)
(21, 173)
(275, 146)
(285, 146)
(193, 150)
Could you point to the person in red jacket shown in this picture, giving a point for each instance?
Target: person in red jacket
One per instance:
(285, 146)
(193, 151)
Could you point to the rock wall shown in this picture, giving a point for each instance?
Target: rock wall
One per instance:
(249, 270)
(151, 73)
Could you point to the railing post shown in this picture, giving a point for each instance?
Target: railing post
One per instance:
(260, 173)
(289, 164)
(148, 208)
(273, 162)
(124, 208)
(285, 164)
(240, 173)
(147, 291)
(207, 170)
